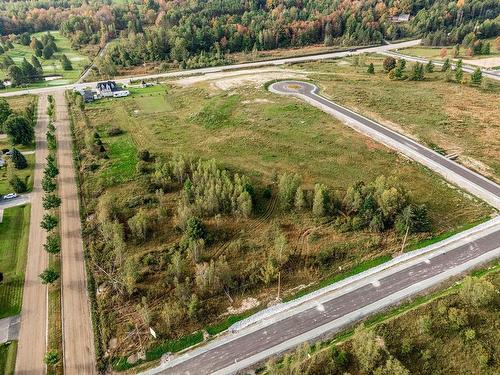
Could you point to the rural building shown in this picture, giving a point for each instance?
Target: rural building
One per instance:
(108, 89)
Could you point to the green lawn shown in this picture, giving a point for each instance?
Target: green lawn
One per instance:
(25, 174)
(53, 65)
(8, 358)
(14, 231)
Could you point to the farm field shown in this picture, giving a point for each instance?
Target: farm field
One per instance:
(51, 67)
(14, 232)
(431, 111)
(248, 131)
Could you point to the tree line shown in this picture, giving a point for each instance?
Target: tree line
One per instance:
(200, 33)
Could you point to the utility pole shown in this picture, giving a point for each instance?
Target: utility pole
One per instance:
(406, 234)
(279, 271)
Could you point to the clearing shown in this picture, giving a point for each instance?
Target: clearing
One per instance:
(248, 131)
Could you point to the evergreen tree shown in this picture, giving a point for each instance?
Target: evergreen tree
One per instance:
(18, 185)
(7, 62)
(36, 64)
(66, 63)
(18, 159)
(30, 73)
(476, 77)
(446, 65)
(371, 69)
(5, 112)
(47, 52)
(16, 75)
(459, 73)
(417, 73)
(429, 67)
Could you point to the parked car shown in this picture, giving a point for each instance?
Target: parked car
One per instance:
(10, 196)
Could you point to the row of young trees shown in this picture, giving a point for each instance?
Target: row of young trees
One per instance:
(396, 70)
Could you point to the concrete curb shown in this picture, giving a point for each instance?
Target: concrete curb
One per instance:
(428, 251)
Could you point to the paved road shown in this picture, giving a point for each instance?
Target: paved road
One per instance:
(486, 72)
(9, 328)
(452, 171)
(32, 336)
(289, 328)
(78, 344)
(323, 56)
(19, 201)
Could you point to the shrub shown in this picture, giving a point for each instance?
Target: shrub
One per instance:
(114, 131)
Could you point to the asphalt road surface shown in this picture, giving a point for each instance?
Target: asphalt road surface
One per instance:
(454, 172)
(258, 64)
(230, 354)
(78, 344)
(32, 335)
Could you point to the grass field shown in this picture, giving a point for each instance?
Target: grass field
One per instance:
(434, 52)
(52, 66)
(14, 231)
(25, 174)
(253, 132)
(8, 358)
(446, 116)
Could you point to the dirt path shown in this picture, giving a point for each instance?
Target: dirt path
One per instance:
(32, 335)
(78, 344)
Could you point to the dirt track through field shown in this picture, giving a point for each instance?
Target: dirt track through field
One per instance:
(32, 335)
(78, 344)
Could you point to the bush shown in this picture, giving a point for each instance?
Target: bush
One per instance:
(49, 276)
(18, 159)
(144, 155)
(114, 131)
(389, 64)
(18, 185)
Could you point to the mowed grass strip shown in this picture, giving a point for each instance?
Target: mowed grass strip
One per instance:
(14, 232)
(8, 353)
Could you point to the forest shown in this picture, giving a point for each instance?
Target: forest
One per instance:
(200, 33)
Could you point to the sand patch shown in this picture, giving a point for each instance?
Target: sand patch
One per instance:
(489, 62)
(231, 80)
(246, 304)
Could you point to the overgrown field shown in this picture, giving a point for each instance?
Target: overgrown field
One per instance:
(179, 244)
(456, 333)
(449, 117)
(14, 231)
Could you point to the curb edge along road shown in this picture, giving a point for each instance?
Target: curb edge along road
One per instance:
(407, 148)
(407, 260)
(222, 68)
(343, 287)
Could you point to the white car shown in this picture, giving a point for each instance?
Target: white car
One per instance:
(10, 196)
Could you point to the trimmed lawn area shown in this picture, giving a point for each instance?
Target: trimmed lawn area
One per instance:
(25, 174)
(51, 67)
(14, 232)
(8, 358)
